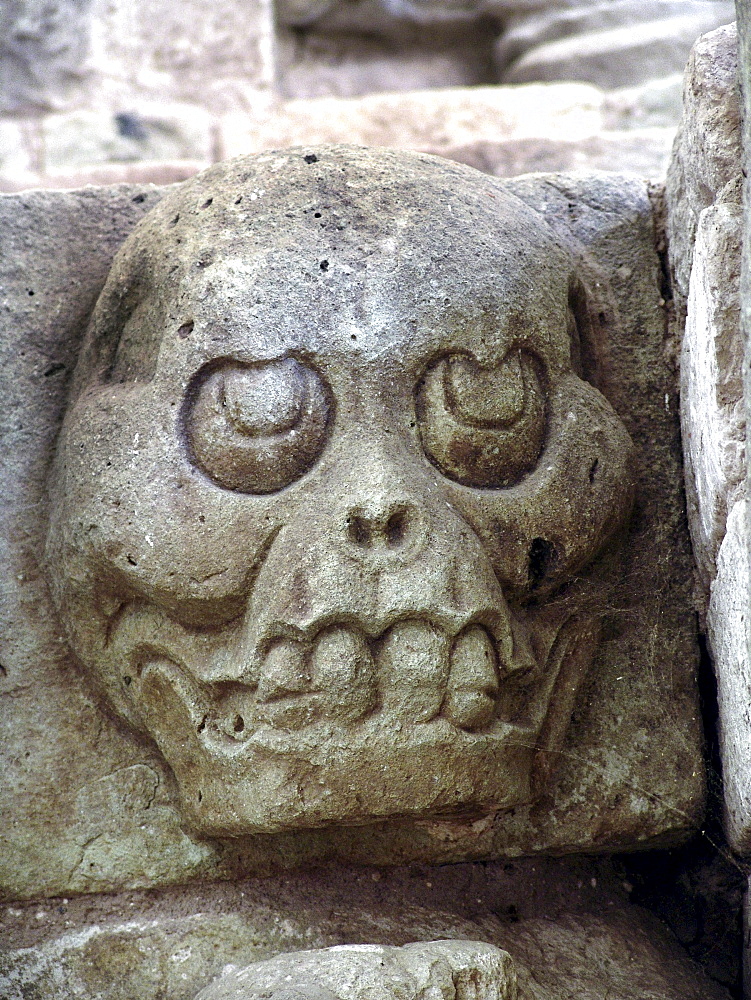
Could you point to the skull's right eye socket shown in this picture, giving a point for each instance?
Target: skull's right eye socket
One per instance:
(483, 426)
(256, 428)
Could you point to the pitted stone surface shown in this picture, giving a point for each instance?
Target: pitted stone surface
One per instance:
(129, 832)
(712, 415)
(454, 970)
(567, 925)
(707, 151)
(705, 226)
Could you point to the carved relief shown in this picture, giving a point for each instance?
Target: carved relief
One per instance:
(333, 496)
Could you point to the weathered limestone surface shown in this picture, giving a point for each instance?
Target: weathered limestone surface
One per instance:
(610, 44)
(705, 226)
(713, 418)
(93, 807)
(42, 47)
(568, 926)
(160, 132)
(456, 970)
(707, 147)
(729, 630)
(97, 54)
(422, 119)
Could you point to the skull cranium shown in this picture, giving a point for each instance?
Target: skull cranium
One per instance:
(328, 462)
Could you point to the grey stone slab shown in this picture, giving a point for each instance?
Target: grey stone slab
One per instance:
(568, 927)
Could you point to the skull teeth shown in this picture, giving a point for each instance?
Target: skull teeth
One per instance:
(414, 672)
(344, 674)
(472, 689)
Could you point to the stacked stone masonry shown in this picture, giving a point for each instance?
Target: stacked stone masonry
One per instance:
(705, 228)
(101, 91)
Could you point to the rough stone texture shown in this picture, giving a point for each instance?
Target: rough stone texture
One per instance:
(707, 151)
(729, 630)
(297, 550)
(712, 412)
(420, 120)
(609, 44)
(568, 927)
(88, 138)
(216, 56)
(454, 970)
(112, 801)
(100, 54)
(705, 222)
(42, 48)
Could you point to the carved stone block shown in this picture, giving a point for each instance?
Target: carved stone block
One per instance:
(340, 526)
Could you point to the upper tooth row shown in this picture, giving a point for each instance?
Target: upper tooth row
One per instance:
(414, 672)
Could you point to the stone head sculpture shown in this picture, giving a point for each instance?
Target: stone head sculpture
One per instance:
(333, 490)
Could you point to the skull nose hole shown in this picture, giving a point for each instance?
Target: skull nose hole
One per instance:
(360, 531)
(396, 528)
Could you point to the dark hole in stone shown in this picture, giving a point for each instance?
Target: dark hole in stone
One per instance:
(127, 680)
(207, 203)
(238, 200)
(131, 560)
(3, 670)
(311, 158)
(186, 329)
(175, 220)
(396, 528)
(138, 199)
(542, 556)
(202, 725)
(324, 265)
(54, 369)
(316, 215)
(239, 724)
(359, 531)
(593, 470)
(200, 796)
(29, 291)
(129, 126)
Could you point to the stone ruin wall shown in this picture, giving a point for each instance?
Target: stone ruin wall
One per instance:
(125, 90)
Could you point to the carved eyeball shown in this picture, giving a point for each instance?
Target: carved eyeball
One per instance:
(482, 427)
(256, 428)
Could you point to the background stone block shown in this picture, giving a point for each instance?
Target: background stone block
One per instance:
(705, 229)
(568, 927)
(712, 417)
(729, 630)
(707, 151)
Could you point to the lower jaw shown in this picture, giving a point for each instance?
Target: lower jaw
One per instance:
(284, 784)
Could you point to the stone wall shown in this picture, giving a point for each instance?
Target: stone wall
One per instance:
(92, 90)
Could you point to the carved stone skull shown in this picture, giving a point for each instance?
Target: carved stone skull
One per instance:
(333, 490)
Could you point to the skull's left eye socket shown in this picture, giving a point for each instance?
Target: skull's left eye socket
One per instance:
(483, 427)
(256, 428)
